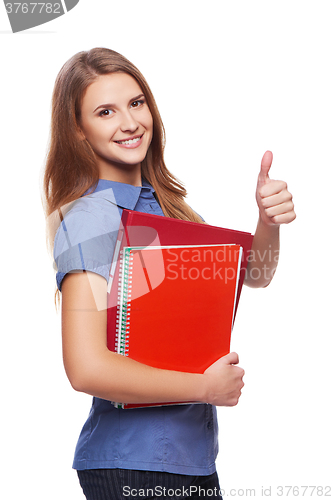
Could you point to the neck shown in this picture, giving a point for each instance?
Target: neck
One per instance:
(127, 174)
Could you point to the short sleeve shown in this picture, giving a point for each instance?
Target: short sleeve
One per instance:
(84, 242)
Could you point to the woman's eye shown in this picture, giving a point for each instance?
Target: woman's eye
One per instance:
(106, 112)
(136, 104)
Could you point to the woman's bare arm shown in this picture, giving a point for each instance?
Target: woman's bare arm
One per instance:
(275, 208)
(93, 369)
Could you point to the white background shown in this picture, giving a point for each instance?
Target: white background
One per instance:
(232, 79)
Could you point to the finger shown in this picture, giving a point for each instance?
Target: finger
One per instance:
(272, 187)
(231, 358)
(276, 199)
(266, 164)
(284, 218)
(283, 208)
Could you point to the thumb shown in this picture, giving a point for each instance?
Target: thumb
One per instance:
(231, 358)
(266, 164)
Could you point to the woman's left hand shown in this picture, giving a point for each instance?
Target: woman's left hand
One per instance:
(274, 200)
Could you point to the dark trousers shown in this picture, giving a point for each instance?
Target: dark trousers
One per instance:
(113, 484)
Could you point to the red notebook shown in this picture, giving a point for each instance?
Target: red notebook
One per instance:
(176, 305)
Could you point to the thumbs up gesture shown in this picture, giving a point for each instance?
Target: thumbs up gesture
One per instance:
(274, 200)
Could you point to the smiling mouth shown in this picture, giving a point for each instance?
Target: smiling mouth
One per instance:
(130, 141)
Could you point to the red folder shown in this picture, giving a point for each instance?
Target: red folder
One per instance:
(141, 229)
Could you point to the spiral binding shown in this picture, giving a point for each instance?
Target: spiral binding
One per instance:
(124, 302)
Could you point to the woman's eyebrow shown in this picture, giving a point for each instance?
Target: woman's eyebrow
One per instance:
(113, 105)
(136, 97)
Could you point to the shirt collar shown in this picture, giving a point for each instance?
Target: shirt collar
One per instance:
(125, 195)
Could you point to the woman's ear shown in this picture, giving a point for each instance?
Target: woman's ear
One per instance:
(80, 135)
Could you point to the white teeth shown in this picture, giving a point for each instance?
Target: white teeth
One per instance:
(131, 141)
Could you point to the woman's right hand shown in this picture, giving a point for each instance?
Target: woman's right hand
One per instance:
(224, 381)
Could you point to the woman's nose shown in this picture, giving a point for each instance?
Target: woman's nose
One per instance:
(128, 122)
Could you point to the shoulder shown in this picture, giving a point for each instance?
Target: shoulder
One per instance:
(88, 217)
(86, 236)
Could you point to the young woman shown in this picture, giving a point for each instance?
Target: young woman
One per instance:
(106, 154)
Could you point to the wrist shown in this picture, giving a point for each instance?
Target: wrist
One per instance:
(202, 392)
(267, 233)
(270, 227)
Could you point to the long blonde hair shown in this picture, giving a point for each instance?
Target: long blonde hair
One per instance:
(71, 166)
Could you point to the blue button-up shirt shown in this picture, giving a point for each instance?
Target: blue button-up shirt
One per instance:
(179, 438)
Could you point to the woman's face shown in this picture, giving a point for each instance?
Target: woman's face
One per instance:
(117, 123)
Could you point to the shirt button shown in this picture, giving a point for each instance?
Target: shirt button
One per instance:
(209, 424)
